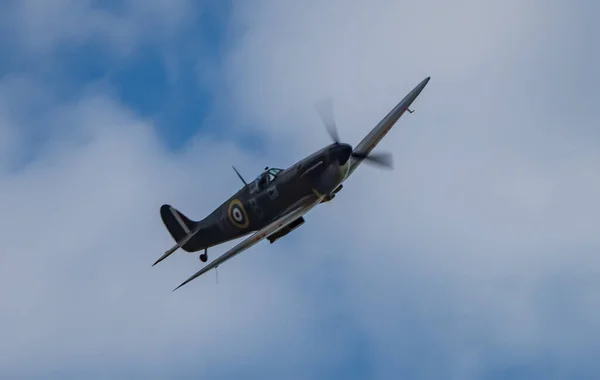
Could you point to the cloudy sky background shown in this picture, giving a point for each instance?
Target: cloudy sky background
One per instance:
(477, 257)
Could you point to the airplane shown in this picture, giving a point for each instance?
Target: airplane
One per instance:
(274, 204)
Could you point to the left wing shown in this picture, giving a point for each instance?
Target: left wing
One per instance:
(302, 208)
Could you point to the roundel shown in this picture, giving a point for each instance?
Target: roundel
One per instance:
(237, 214)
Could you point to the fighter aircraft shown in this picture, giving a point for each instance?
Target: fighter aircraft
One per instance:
(273, 205)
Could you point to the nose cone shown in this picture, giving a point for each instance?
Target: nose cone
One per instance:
(341, 153)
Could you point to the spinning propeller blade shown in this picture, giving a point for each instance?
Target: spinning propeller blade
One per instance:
(383, 160)
(324, 108)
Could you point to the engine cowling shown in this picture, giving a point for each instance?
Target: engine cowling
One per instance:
(286, 230)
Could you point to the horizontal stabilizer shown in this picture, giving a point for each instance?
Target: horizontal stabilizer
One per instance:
(178, 245)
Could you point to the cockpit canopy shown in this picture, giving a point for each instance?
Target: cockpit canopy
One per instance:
(273, 172)
(264, 179)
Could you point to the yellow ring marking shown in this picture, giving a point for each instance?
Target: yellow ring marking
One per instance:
(241, 206)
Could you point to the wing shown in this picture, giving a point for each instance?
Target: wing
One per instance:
(292, 214)
(381, 129)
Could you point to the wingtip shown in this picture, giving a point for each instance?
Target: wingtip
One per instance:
(157, 261)
(164, 256)
(183, 283)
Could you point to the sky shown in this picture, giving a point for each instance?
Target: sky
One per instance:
(476, 258)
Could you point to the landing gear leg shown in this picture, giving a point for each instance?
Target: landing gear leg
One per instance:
(204, 256)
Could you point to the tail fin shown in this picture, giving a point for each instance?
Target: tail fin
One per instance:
(179, 225)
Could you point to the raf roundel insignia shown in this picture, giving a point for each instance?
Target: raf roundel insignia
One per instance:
(237, 214)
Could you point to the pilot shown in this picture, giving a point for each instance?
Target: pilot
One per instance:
(263, 181)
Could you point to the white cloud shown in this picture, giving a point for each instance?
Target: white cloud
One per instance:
(40, 26)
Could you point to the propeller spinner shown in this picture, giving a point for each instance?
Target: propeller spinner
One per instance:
(324, 109)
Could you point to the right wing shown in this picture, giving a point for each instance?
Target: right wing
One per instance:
(374, 137)
(294, 213)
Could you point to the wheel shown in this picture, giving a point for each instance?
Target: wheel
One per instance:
(203, 257)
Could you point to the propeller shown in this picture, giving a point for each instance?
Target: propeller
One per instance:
(382, 159)
(324, 109)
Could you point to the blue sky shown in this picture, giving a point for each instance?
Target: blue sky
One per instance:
(155, 81)
(474, 259)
